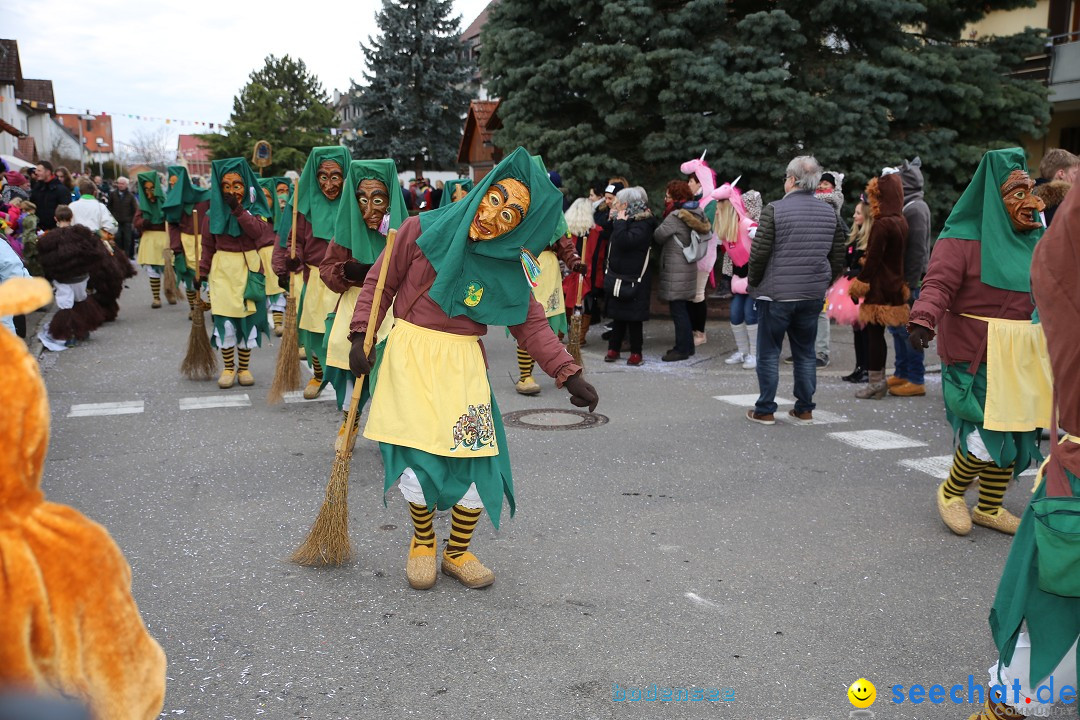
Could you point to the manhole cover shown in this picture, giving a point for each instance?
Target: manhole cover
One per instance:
(553, 419)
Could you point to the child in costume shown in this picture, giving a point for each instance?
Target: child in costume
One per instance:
(452, 272)
(977, 295)
(370, 210)
(735, 224)
(231, 235)
(317, 200)
(69, 625)
(150, 221)
(68, 255)
(272, 189)
(181, 201)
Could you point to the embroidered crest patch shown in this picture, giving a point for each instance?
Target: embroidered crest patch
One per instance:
(475, 429)
(474, 292)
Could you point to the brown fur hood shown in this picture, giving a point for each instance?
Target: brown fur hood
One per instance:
(694, 219)
(886, 196)
(1053, 193)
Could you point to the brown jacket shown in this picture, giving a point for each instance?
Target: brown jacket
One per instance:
(256, 233)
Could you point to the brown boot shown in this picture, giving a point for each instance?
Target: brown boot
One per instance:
(876, 388)
(585, 320)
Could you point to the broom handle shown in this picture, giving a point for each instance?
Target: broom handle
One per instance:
(581, 276)
(369, 339)
(198, 254)
(292, 245)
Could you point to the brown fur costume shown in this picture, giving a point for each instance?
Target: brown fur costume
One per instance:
(881, 283)
(67, 255)
(69, 625)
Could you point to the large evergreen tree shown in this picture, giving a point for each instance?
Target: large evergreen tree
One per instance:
(414, 102)
(637, 87)
(283, 104)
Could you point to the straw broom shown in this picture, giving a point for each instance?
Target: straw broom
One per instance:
(575, 321)
(328, 541)
(200, 362)
(169, 279)
(287, 372)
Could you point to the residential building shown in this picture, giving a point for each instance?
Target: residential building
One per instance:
(95, 133)
(192, 153)
(477, 149)
(470, 40)
(12, 125)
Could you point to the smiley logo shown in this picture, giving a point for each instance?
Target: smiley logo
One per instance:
(862, 693)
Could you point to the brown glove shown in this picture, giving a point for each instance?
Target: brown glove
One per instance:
(919, 336)
(359, 363)
(582, 394)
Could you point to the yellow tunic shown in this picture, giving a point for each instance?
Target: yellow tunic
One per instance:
(228, 277)
(319, 301)
(272, 286)
(152, 248)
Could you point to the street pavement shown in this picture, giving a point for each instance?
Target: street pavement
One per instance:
(676, 544)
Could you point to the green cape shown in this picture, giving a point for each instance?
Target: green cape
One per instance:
(364, 243)
(152, 211)
(450, 186)
(493, 267)
(313, 205)
(222, 221)
(271, 184)
(980, 215)
(183, 196)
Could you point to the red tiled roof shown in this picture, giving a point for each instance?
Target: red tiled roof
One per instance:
(476, 25)
(480, 114)
(10, 67)
(100, 127)
(40, 92)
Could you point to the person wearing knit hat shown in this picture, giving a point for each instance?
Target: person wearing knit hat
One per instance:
(184, 202)
(231, 234)
(976, 297)
(318, 199)
(452, 272)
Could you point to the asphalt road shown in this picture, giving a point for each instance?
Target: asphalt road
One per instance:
(677, 544)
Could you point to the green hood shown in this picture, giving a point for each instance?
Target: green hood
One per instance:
(494, 267)
(152, 211)
(364, 243)
(222, 221)
(450, 186)
(980, 215)
(271, 185)
(312, 204)
(183, 196)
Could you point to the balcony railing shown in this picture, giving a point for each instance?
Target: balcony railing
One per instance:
(1064, 70)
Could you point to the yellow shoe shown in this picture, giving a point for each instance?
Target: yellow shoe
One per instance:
(303, 353)
(339, 443)
(953, 512)
(467, 570)
(227, 379)
(245, 378)
(1002, 521)
(527, 386)
(313, 389)
(420, 567)
(895, 381)
(907, 389)
(279, 330)
(156, 304)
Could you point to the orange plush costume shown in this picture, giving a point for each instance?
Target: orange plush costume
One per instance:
(68, 623)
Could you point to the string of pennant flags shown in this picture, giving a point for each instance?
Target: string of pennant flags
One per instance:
(38, 105)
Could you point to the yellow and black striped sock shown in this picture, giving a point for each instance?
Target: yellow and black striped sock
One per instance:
(462, 524)
(245, 358)
(965, 468)
(316, 367)
(279, 318)
(228, 355)
(993, 482)
(423, 530)
(191, 296)
(525, 364)
(155, 288)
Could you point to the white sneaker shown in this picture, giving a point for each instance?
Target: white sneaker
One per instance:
(736, 358)
(749, 362)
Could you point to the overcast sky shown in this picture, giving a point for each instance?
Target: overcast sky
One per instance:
(184, 59)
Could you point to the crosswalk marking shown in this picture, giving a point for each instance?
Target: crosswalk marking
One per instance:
(129, 407)
(876, 440)
(937, 467)
(214, 401)
(748, 400)
(297, 396)
(821, 417)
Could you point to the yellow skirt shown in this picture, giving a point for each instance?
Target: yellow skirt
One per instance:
(272, 286)
(1019, 388)
(338, 345)
(549, 292)
(228, 278)
(152, 247)
(188, 241)
(432, 394)
(319, 302)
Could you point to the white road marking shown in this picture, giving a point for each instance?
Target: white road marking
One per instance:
(215, 401)
(876, 440)
(937, 467)
(748, 400)
(821, 417)
(129, 407)
(700, 601)
(297, 396)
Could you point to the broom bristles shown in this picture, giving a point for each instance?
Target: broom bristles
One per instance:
(328, 541)
(287, 372)
(200, 362)
(169, 279)
(575, 339)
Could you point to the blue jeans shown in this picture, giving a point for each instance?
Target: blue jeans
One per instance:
(684, 333)
(799, 321)
(910, 363)
(743, 310)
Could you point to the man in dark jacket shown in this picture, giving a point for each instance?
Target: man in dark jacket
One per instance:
(797, 253)
(1058, 170)
(907, 381)
(47, 194)
(123, 205)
